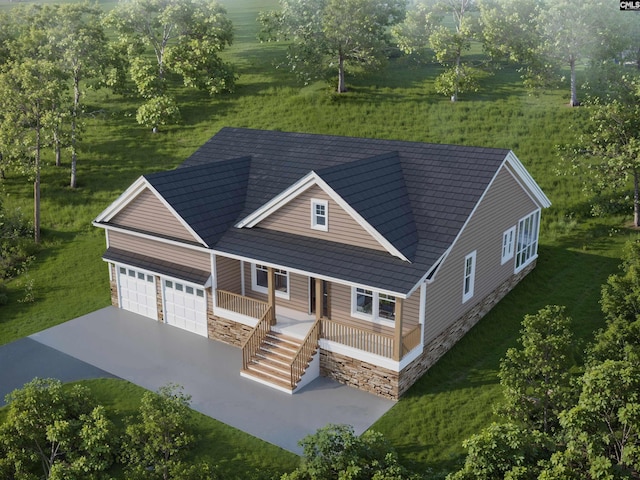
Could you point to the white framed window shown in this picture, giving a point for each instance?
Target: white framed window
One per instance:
(319, 214)
(260, 280)
(370, 305)
(508, 243)
(527, 244)
(469, 276)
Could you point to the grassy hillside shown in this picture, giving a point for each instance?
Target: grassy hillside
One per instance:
(453, 400)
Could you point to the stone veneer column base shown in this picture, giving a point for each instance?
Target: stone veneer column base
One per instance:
(113, 286)
(227, 331)
(390, 384)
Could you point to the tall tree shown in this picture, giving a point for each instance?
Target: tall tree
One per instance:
(535, 376)
(608, 154)
(30, 93)
(330, 35)
(546, 36)
(81, 44)
(185, 38)
(426, 26)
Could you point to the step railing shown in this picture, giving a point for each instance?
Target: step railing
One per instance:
(309, 346)
(252, 344)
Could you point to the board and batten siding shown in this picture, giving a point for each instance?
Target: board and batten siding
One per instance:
(147, 213)
(162, 251)
(504, 204)
(295, 217)
(228, 274)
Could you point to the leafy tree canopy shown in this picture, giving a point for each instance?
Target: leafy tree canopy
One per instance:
(332, 35)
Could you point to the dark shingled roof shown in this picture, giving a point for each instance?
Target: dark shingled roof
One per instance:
(417, 195)
(208, 197)
(153, 264)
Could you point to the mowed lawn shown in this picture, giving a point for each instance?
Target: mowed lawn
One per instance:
(454, 399)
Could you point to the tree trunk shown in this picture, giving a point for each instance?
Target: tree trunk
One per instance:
(74, 120)
(636, 199)
(58, 150)
(574, 93)
(36, 188)
(341, 86)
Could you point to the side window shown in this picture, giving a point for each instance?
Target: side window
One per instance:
(508, 243)
(469, 276)
(527, 247)
(319, 214)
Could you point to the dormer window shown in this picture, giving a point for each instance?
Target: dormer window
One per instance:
(319, 215)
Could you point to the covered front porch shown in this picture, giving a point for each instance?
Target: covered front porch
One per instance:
(325, 317)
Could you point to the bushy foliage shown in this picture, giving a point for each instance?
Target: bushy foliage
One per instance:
(16, 246)
(620, 300)
(55, 432)
(157, 443)
(335, 452)
(535, 376)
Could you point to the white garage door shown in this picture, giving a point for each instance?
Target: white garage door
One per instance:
(185, 306)
(137, 292)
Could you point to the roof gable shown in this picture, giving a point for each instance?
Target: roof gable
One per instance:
(302, 185)
(208, 197)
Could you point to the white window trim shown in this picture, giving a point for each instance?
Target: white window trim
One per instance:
(508, 244)
(314, 217)
(375, 314)
(259, 288)
(534, 239)
(471, 276)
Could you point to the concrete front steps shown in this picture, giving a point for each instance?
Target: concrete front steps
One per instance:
(272, 364)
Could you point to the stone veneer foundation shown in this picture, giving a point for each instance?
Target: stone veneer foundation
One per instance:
(227, 331)
(389, 384)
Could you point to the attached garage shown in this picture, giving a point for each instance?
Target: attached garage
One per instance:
(137, 291)
(185, 306)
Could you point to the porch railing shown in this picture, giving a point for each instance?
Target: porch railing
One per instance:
(304, 353)
(411, 340)
(371, 342)
(241, 304)
(252, 343)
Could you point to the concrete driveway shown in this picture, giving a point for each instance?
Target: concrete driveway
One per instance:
(114, 342)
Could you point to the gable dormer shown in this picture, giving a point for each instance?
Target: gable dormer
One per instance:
(362, 203)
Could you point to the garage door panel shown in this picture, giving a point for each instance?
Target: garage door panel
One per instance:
(185, 306)
(137, 292)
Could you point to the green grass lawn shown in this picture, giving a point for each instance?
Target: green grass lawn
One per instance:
(453, 400)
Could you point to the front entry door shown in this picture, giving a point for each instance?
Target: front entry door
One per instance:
(326, 304)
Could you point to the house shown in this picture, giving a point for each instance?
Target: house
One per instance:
(357, 259)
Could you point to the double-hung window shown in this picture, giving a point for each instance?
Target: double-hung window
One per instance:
(469, 276)
(319, 214)
(508, 243)
(527, 244)
(371, 305)
(260, 280)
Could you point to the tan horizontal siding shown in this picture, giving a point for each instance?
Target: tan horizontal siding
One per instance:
(295, 217)
(228, 274)
(298, 291)
(146, 212)
(341, 311)
(162, 251)
(502, 207)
